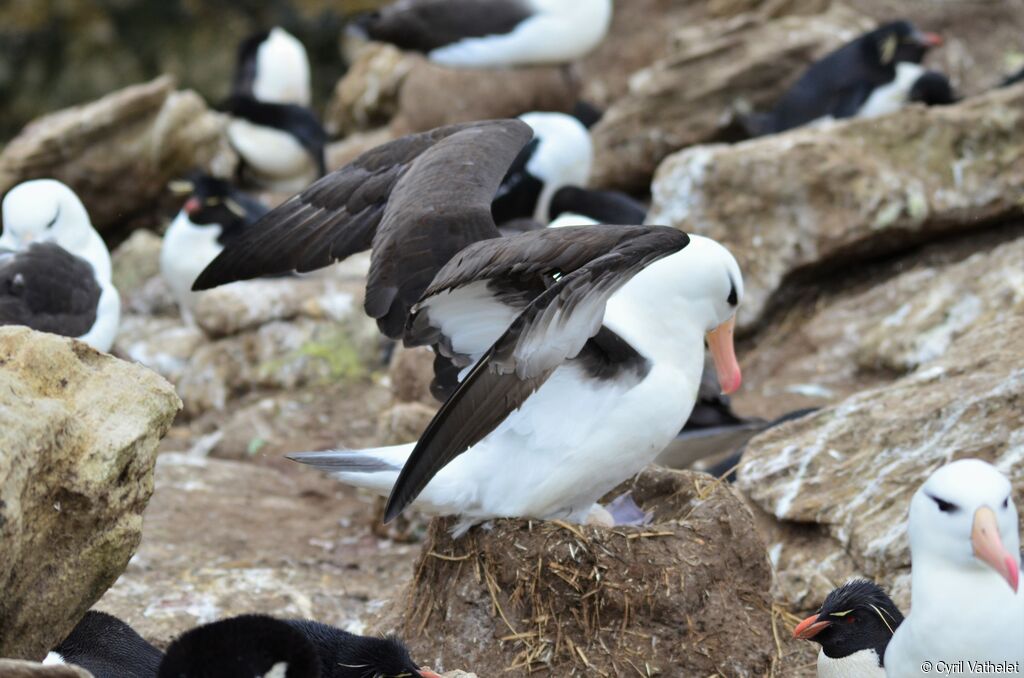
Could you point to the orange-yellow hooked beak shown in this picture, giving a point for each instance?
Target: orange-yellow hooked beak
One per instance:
(427, 673)
(988, 547)
(809, 627)
(723, 353)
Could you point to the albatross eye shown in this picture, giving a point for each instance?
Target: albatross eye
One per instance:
(945, 506)
(732, 298)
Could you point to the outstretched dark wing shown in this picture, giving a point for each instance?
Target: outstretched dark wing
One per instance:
(561, 279)
(424, 25)
(416, 200)
(48, 289)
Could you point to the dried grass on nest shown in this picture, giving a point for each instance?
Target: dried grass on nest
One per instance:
(605, 585)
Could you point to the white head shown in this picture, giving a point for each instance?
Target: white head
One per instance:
(963, 519)
(44, 210)
(696, 290)
(563, 157)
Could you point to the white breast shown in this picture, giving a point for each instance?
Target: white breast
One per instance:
(892, 96)
(275, 156)
(187, 249)
(862, 664)
(560, 31)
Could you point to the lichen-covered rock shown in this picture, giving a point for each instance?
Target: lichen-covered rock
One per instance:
(404, 422)
(432, 95)
(367, 97)
(690, 96)
(119, 152)
(846, 473)
(78, 437)
(579, 600)
(848, 191)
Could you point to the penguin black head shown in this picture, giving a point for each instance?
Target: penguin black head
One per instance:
(241, 647)
(932, 89)
(346, 655)
(216, 201)
(900, 41)
(857, 616)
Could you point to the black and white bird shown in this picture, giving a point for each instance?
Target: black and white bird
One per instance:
(491, 33)
(853, 627)
(107, 647)
(347, 655)
(215, 212)
(572, 356)
(559, 154)
(577, 206)
(860, 78)
(912, 84)
(55, 267)
(273, 67)
(281, 145)
(966, 603)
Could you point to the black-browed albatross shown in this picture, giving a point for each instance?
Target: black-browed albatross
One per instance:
(55, 267)
(580, 349)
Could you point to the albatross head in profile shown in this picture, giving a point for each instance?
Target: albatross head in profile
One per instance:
(966, 603)
(45, 210)
(683, 299)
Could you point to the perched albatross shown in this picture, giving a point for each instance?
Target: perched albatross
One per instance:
(54, 267)
(492, 33)
(572, 356)
(966, 602)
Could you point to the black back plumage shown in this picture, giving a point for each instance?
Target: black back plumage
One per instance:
(298, 121)
(346, 655)
(607, 207)
(839, 83)
(107, 647)
(47, 288)
(517, 196)
(425, 25)
(241, 647)
(933, 89)
(863, 616)
(1013, 79)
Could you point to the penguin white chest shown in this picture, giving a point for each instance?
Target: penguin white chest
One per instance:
(860, 664)
(270, 152)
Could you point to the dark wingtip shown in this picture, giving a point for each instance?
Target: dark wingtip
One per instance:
(396, 504)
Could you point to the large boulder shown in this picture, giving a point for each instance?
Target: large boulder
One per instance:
(17, 668)
(813, 200)
(528, 595)
(716, 69)
(838, 483)
(119, 152)
(78, 438)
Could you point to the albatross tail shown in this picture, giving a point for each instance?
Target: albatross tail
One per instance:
(375, 469)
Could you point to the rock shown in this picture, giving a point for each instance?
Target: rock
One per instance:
(135, 261)
(367, 97)
(16, 668)
(164, 345)
(432, 95)
(78, 437)
(119, 152)
(864, 329)
(716, 69)
(528, 595)
(404, 422)
(410, 372)
(458, 674)
(273, 537)
(868, 188)
(850, 470)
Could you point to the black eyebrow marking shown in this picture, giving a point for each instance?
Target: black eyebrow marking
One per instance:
(944, 506)
(55, 218)
(732, 298)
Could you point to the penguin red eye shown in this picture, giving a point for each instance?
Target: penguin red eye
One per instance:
(850, 619)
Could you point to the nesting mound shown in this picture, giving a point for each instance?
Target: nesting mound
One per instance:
(684, 595)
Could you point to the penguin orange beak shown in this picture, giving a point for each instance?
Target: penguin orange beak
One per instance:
(192, 206)
(810, 627)
(931, 39)
(723, 353)
(427, 673)
(988, 547)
